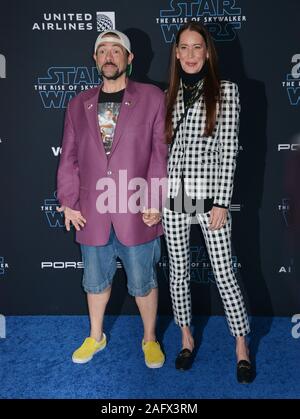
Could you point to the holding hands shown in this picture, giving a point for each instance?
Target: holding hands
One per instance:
(151, 216)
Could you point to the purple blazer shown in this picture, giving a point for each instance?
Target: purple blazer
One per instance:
(138, 147)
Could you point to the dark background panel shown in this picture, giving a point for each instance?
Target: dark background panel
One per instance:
(40, 269)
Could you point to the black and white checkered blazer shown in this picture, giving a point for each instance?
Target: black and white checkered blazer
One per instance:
(206, 163)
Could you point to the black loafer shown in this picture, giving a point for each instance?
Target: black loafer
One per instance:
(184, 360)
(244, 372)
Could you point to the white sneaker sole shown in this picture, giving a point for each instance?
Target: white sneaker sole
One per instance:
(155, 365)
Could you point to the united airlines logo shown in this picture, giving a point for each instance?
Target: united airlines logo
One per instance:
(292, 81)
(61, 84)
(2, 67)
(75, 22)
(54, 218)
(3, 266)
(105, 21)
(222, 17)
(200, 266)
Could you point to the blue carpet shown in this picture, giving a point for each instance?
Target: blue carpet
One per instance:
(35, 360)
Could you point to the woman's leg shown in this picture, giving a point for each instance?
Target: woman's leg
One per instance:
(177, 234)
(218, 244)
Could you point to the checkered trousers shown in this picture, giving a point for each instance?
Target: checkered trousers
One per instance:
(206, 163)
(218, 242)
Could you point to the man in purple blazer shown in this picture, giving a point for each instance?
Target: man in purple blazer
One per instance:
(111, 187)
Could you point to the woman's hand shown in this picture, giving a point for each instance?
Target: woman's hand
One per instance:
(218, 218)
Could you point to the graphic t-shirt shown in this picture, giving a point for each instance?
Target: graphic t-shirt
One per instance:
(108, 110)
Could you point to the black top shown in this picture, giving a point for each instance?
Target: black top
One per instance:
(115, 97)
(109, 105)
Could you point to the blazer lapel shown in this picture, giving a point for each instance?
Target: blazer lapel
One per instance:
(129, 102)
(197, 116)
(91, 112)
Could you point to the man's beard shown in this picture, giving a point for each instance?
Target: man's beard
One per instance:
(115, 76)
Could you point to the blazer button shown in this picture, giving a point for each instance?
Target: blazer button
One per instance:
(109, 172)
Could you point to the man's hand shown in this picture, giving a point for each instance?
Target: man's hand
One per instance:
(218, 218)
(151, 216)
(72, 216)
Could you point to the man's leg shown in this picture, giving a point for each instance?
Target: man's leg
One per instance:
(97, 340)
(140, 265)
(99, 269)
(154, 357)
(148, 309)
(97, 305)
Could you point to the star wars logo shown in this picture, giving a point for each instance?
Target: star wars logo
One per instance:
(54, 218)
(61, 84)
(3, 266)
(200, 267)
(292, 82)
(284, 208)
(222, 17)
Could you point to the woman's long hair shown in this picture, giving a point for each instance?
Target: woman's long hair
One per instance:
(211, 85)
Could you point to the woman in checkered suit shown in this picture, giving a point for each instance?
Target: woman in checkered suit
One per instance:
(202, 131)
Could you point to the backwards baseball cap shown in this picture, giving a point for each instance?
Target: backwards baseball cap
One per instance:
(119, 38)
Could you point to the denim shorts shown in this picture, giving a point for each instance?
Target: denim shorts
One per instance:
(139, 262)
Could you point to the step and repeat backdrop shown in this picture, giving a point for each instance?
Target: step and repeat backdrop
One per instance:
(46, 52)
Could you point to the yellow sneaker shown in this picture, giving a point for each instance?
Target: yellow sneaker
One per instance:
(88, 349)
(154, 357)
